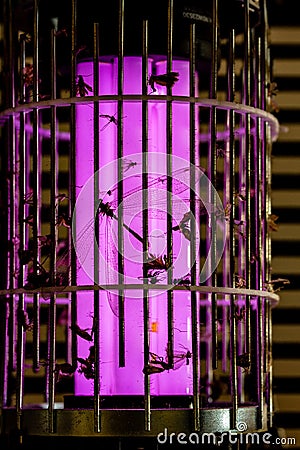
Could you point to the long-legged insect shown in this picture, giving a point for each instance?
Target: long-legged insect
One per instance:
(179, 357)
(156, 364)
(166, 79)
(153, 277)
(132, 198)
(110, 119)
(277, 284)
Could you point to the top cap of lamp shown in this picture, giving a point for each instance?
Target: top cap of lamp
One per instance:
(185, 12)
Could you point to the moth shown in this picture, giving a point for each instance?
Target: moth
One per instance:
(166, 79)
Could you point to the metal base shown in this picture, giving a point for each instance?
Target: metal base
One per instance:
(130, 422)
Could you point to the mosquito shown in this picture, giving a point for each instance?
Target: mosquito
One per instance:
(179, 357)
(128, 164)
(156, 364)
(131, 199)
(166, 79)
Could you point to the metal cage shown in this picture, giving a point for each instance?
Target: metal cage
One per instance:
(180, 338)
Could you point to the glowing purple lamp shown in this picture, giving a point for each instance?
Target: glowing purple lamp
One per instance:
(129, 380)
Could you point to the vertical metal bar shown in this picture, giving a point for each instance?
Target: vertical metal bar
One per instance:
(212, 161)
(269, 368)
(261, 324)
(233, 361)
(21, 302)
(120, 186)
(266, 208)
(12, 166)
(145, 200)
(248, 212)
(194, 295)
(72, 180)
(169, 162)
(36, 187)
(54, 237)
(232, 168)
(96, 319)
(8, 331)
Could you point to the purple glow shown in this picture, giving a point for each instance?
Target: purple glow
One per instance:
(130, 379)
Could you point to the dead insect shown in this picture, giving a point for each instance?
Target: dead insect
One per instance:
(179, 357)
(62, 32)
(240, 313)
(166, 79)
(80, 49)
(243, 361)
(39, 279)
(277, 284)
(220, 149)
(86, 368)
(272, 225)
(152, 277)
(28, 198)
(61, 197)
(91, 356)
(28, 75)
(156, 364)
(110, 119)
(158, 262)
(25, 256)
(64, 370)
(29, 220)
(239, 196)
(272, 88)
(227, 211)
(183, 225)
(238, 228)
(150, 369)
(184, 281)
(241, 282)
(24, 320)
(28, 78)
(82, 88)
(63, 220)
(127, 164)
(83, 333)
(26, 37)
